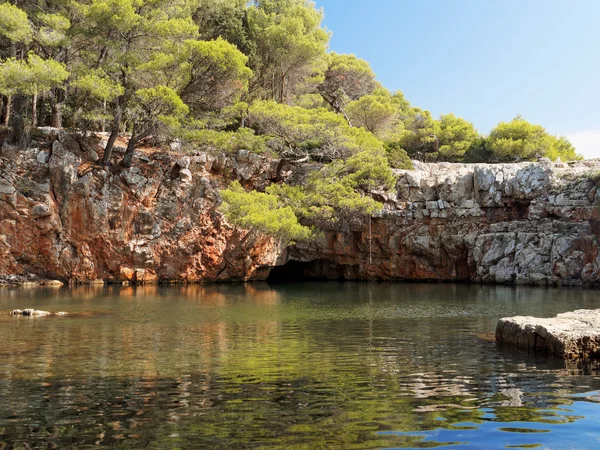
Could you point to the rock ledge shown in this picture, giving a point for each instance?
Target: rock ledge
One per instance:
(570, 335)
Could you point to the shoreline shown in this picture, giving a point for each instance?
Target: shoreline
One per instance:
(45, 283)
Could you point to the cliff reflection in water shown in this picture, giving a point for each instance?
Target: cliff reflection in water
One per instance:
(316, 364)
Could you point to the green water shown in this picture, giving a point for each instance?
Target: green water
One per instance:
(300, 365)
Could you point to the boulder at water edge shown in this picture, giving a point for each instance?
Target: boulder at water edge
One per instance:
(569, 335)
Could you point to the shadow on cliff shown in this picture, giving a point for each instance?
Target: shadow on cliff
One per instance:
(320, 269)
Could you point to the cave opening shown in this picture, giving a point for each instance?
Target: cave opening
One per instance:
(320, 269)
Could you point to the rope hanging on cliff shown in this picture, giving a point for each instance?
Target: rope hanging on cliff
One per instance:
(370, 240)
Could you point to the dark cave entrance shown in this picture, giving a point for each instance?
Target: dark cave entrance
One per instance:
(320, 269)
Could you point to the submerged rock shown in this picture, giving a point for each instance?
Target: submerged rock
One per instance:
(570, 335)
(55, 283)
(35, 313)
(27, 280)
(29, 312)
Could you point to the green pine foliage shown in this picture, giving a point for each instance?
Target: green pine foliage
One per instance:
(215, 74)
(338, 194)
(229, 142)
(262, 65)
(30, 76)
(14, 24)
(294, 131)
(455, 137)
(519, 140)
(397, 156)
(263, 212)
(230, 75)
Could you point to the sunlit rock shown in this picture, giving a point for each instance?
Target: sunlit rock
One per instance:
(159, 221)
(569, 335)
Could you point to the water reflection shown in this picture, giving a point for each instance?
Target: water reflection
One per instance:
(330, 365)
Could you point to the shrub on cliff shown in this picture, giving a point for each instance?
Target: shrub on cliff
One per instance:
(326, 201)
(397, 156)
(410, 130)
(328, 204)
(263, 212)
(519, 140)
(338, 195)
(455, 137)
(334, 197)
(366, 170)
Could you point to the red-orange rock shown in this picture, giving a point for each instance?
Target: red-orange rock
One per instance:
(65, 218)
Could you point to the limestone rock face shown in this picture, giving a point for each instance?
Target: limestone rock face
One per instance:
(569, 335)
(69, 220)
(526, 223)
(63, 217)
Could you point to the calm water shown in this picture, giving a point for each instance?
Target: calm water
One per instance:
(304, 365)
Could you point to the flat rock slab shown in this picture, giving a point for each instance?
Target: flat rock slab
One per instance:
(569, 335)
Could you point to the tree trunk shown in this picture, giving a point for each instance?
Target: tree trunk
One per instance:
(116, 126)
(104, 112)
(34, 110)
(57, 101)
(18, 136)
(136, 137)
(114, 133)
(56, 117)
(8, 110)
(273, 93)
(42, 107)
(343, 113)
(333, 102)
(133, 140)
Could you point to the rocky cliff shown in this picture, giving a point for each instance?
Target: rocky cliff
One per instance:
(63, 217)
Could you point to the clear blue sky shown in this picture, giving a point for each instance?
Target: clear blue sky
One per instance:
(484, 60)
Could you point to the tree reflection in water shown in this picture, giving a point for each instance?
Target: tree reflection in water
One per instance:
(319, 365)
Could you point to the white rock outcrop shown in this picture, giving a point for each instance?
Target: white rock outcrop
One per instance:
(569, 335)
